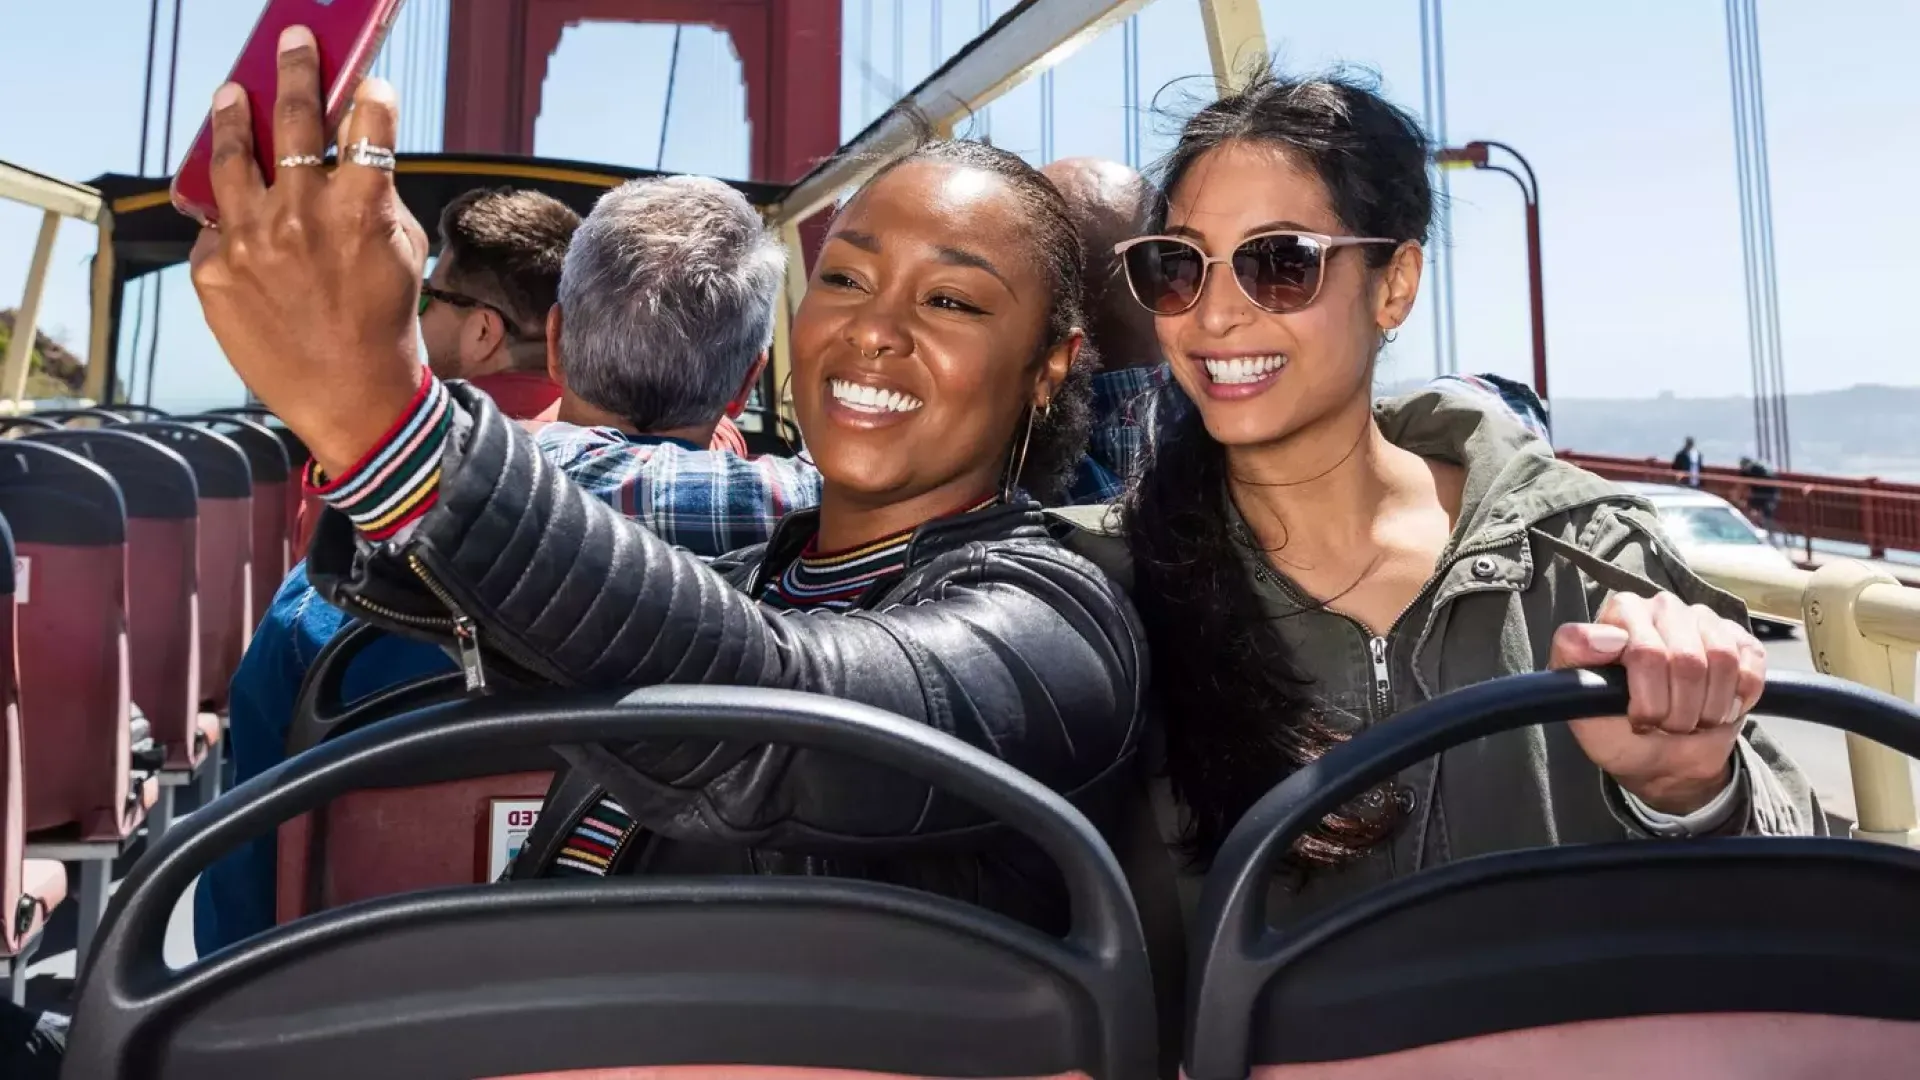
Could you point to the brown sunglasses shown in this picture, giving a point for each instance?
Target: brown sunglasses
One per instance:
(1279, 271)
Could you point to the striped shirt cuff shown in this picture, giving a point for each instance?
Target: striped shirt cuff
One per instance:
(398, 480)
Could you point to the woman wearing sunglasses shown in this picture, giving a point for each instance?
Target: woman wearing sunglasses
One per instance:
(938, 376)
(1308, 563)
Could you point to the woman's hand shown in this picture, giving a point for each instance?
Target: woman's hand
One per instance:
(1691, 678)
(311, 285)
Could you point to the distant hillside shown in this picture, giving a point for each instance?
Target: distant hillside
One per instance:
(1861, 431)
(52, 370)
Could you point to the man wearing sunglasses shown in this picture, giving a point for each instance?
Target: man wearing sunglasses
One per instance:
(483, 309)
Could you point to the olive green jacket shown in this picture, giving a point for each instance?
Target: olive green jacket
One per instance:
(1499, 592)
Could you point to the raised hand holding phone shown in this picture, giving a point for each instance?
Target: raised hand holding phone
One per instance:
(347, 35)
(311, 283)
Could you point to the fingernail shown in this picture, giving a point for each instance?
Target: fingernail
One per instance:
(1607, 638)
(293, 37)
(227, 96)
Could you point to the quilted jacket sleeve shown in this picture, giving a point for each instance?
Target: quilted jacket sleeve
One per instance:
(1017, 647)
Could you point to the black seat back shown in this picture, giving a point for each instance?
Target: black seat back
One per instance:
(1500, 965)
(502, 980)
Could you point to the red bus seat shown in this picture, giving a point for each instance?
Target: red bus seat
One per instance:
(297, 457)
(225, 480)
(70, 598)
(1710, 959)
(449, 826)
(162, 504)
(29, 888)
(272, 534)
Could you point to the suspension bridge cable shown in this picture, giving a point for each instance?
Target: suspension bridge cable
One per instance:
(1434, 103)
(146, 110)
(1756, 373)
(986, 111)
(166, 156)
(1130, 90)
(899, 52)
(1752, 249)
(1764, 171)
(666, 113)
(866, 62)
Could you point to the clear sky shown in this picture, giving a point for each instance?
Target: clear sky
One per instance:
(1623, 108)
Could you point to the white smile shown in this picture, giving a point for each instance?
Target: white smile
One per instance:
(871, 398)
(1245, 369)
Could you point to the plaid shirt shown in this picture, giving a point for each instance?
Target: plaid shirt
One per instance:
(711, 501)
(707, 501)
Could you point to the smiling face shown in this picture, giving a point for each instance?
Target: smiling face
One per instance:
(1259, 377)
(918, 348)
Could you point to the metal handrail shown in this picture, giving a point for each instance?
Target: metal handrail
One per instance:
(1862, 625)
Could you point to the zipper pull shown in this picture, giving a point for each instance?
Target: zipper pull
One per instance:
(467, 636)
(1382, 685)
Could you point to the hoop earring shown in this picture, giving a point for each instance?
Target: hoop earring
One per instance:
(1017, 462)
(787, 431)
(1388, 337)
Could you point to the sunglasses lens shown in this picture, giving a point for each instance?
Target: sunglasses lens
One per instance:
(1165, 275)
(1280, 273)
(424, 301)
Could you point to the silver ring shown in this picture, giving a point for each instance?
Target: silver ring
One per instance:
(371, 156)
(292, 161)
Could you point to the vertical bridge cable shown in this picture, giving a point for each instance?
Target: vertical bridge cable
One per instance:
(1757, 368)
(666, 112)
(166, 156)
(1130, 87)
(146, 119)
(1433, 66)
(1771, 280)
(986, 111)
(866, 62)
(934, 52)
(1046, 116)
(899, 52)
(1756, 236)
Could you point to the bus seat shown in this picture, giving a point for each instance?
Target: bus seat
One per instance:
(15, 426)
(225, 480)
(445, 827)
(70, 599)
(397, 840)
(1756, 958)
(297, 457)
(798, 975)
(272, 540)
(163, 511)
(29, 888)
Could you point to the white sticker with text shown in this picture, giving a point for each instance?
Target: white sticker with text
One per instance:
(507, 830)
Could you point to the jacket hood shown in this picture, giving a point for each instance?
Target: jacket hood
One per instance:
(1513, 481)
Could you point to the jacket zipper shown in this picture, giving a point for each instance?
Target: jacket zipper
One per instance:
(1377, 644)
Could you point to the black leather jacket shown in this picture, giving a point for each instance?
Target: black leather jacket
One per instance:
(995, 634)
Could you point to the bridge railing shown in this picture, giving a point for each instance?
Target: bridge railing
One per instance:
(1862, 625)
(1872, 513)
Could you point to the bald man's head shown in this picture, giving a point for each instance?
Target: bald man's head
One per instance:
(1109, 203)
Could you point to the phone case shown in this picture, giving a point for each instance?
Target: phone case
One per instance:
(349, 34)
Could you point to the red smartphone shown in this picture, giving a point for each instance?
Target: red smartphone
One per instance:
(349, 33)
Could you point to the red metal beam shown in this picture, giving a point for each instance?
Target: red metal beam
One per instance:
(789, 51)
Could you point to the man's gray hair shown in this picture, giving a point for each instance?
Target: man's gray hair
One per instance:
(666, 301)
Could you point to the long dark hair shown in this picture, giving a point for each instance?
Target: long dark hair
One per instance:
(1239, 712)
(1059, 438)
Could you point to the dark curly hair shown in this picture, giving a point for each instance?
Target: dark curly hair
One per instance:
(1060, 433)
(1240, 713)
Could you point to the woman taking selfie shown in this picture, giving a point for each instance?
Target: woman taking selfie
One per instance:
(1307, 563)
(937, 375)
